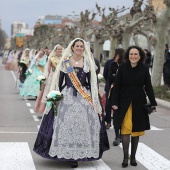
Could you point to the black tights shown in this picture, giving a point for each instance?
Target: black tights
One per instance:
(134, 145)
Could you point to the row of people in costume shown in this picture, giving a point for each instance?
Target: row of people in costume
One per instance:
(77, 132)
(10, 59)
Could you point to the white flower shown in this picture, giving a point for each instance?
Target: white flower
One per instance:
(39, 78)
(23, 62)
(30, 71)
(49, 95)
(100, 76)
(56, 92)
(53, 93)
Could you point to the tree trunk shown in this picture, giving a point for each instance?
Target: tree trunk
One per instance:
(126, 38)
(113, 45)
(160, 29)
(97, 49)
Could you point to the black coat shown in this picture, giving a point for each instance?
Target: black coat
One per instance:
(166, 69)
(132, 85)
(112, 72)
(106, 73)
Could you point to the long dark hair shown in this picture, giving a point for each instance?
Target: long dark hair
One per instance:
(120, 52)
(141, 53)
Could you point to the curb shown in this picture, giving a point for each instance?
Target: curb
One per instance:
(163, 103)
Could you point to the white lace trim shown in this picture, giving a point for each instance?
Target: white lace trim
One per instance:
(76, 129)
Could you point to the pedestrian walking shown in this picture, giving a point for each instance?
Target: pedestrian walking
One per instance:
(106, 89)
(118, 59)
(132, 84)
(166, 69)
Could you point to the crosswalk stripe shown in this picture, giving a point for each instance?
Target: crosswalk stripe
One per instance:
(18, 154)
(155, 128)
(3, 132)
(150, 159)
(152, 127)
(95, 165)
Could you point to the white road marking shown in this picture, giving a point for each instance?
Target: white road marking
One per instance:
(17, 132)
(35, 118)
(18, 154)
(28, 104)
(32, 111)
(13, 75)
(150, 159)
(95, 165)
(152, 127)
(38, 126)
(155, 128)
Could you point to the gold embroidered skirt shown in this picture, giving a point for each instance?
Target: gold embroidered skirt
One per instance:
(127, 124)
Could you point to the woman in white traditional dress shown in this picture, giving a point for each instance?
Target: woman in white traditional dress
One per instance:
(23, 64)
(50, 67)
(77, 132)
(5, 56)
(8, 63)
(31, 86)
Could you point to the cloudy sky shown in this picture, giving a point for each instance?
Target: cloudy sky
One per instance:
(28, 11)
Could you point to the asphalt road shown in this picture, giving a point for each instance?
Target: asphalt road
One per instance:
(19, 125)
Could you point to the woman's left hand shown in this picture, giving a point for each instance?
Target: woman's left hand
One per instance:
(153, 108)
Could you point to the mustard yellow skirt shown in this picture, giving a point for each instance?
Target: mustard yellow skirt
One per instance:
(127, 124)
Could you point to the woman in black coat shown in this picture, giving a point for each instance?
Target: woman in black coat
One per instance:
(109, 73)
(166, 69)
(118, 59)
(132, 84)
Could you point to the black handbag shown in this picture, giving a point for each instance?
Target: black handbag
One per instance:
(148, 108)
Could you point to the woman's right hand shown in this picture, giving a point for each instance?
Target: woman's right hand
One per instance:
(114, 107)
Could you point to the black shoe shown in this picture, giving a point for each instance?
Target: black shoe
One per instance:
(125, 162)
(74, 164)
(120, 137)
(108, 126)
(133, 162)
(116, 142)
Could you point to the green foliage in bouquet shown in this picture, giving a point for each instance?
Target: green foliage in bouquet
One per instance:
(52, 98)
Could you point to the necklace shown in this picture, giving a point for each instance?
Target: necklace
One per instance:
(76, 61)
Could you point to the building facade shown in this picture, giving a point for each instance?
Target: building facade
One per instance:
(20, 27)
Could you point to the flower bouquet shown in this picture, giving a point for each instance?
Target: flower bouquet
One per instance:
(41, 80)
(52, 98)
(100, 78)
(28, 72)
(22, 63)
